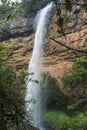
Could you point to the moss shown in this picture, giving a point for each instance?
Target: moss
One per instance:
(9, 45)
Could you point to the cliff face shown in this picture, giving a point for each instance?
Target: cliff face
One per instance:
(57, 59)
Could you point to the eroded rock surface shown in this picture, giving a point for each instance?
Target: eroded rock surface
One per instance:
(57, 59)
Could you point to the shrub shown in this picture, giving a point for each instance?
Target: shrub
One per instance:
(71, 80)
(55, 98)
(62, 121)
(12, 97)
(78, 74)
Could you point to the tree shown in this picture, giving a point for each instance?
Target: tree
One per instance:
(55, 98)
(8, 11)
(12, 97)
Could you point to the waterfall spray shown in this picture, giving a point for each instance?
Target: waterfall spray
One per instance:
(34, 90)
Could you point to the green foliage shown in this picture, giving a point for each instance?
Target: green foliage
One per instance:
(60, 22)
(71, 80)
(11, 96)
(3, 55)
(12, 103)
(68, 5)
(55, 97)
(86, 10)
(62, 19)
(58, 11)
(81, 66)
(7, 13)
(60, 31)
(62, 121)
(78, 75)
(57, 118)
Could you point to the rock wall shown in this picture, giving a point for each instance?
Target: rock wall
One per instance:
(57, 60)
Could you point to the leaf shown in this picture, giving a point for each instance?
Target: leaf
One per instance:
(60, 31)
(68, 5)
(36, 81)
(60, 22)
(58, 11)
(86, 10)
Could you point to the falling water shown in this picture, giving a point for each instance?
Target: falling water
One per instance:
(34, 90)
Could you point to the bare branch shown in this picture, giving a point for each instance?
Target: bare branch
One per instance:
(62, 44)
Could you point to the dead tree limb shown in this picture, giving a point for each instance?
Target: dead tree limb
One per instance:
(70, 48)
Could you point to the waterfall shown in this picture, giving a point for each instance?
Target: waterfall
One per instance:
(34, 90)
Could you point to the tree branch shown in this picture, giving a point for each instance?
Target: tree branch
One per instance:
(70, 48)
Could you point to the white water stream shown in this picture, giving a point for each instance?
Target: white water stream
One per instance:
(34, 90)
